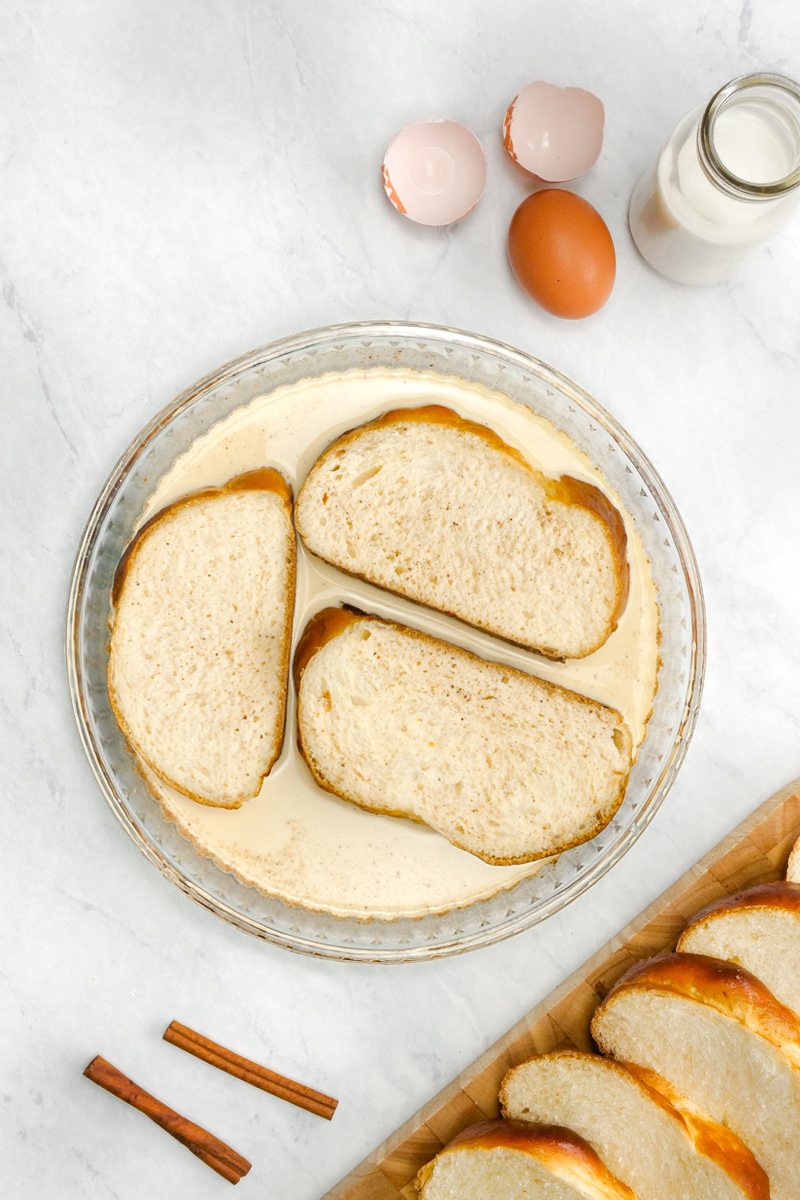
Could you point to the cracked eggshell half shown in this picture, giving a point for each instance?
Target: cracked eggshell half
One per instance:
(554, 133)
(434, 171)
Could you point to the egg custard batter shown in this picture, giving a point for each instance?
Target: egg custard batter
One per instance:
(306, 846)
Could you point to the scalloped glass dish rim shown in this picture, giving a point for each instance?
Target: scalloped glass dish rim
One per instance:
(346, 946)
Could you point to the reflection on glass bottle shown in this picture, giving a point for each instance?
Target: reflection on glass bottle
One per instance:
(725, 182)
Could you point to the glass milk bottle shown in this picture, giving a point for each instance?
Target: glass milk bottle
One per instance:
(725, 182)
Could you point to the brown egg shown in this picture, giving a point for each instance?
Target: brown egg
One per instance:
(562, 253)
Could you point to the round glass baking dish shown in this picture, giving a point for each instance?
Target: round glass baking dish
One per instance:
(411, 347)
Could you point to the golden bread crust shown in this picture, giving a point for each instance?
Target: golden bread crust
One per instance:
(329, 624)
(564, 1153)
(778, 894)
(262, 479)
(323, 627)
(728, 988)
(608, 1064)
(566, 491)
(710, 1139)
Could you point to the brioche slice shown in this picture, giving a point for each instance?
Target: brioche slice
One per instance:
(793, 866)
(723, 1040)
(441, 510)
(503, 765)
(635, 1129)
(507, 1160)
(758, 929)
(199, 649)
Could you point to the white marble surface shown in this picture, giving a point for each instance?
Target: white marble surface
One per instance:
(180, 183)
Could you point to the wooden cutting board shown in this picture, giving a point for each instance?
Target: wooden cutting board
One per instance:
(756, 852)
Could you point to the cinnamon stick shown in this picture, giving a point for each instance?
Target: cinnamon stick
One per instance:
(250, 1072)
(209, 1149)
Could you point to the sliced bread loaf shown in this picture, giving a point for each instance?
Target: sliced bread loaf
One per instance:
(508, 1160)
(636, 1131)
(441, 510)
(200, 642)
(758, 929)
(504, 765)
(723, 1040)
(793, 867)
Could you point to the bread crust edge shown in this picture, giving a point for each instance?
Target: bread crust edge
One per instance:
(250, 480)
(710, 1139)
(565, 490)
(562, 1152)
(730, 989)
(781, 895)
(327, 630)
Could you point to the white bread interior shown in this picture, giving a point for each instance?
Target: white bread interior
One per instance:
(760, 930)
(504, 765)
(635, 1130)
(441, 510)
(694, 1020)
(200, 643)
(501, 1160)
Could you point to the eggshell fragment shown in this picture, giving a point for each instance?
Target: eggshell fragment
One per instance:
(561, 252)
(434, 171)
(554, 133)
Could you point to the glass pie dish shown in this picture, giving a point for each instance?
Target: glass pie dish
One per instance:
(406, 347)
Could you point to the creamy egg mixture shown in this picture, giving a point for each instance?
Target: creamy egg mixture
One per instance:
(302, 844)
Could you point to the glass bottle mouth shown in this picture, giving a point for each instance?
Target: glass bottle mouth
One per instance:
(776, 93)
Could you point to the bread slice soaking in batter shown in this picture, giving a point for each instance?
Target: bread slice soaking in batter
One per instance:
(441, 510)
(200, 642)
(504, 765)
